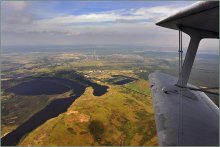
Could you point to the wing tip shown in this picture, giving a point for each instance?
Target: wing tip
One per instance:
(198, 6)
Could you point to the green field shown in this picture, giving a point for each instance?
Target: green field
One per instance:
(120, 117)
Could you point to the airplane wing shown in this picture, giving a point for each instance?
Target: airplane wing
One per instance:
(200, 116)
(202, 15)
(184, 116)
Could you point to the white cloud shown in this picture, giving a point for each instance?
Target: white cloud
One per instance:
(132, 26)
(132, 16)
(157, 13)
(64, 23)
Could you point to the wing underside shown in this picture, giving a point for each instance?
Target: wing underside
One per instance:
(202, 16)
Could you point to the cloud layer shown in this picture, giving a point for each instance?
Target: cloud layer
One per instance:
(27, 23)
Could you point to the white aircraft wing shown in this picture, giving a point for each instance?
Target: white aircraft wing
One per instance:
(184, 116)
(199, 122)
(203, 16)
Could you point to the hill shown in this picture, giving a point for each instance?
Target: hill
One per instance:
(120, 117)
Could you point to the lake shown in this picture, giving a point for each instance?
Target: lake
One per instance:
(39, 86)
(52, 110)
(121, 79)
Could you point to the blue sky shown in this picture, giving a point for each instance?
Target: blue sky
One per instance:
(84, 7)
(89, 22)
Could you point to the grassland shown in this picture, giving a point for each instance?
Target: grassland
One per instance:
(17, 109)
(123, 116)
(120, 117)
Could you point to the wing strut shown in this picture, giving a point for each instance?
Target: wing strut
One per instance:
(180, 92)
(196, 35)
